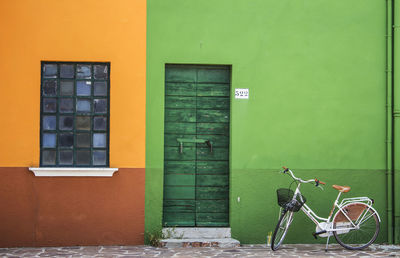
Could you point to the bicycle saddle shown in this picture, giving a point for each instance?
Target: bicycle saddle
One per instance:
(343, 189)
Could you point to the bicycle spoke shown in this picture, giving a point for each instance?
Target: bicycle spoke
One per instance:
(365, 233)
(365, 219)
(281, 229)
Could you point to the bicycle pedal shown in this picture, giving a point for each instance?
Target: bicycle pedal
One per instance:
(315, 234)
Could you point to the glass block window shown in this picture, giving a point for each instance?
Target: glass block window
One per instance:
(75, 114)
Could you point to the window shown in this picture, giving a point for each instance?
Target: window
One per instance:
(75, 114)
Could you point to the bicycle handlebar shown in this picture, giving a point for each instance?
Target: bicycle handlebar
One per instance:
(317, 182)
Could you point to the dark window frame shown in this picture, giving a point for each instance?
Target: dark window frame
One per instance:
(74, 113)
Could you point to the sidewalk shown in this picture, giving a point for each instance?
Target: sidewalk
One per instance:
(243, 251)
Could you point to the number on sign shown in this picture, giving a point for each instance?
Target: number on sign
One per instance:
(241, 93)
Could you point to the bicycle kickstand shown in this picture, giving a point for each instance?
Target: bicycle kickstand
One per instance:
(327, 243)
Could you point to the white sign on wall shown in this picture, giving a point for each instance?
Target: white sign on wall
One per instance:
(241, 93)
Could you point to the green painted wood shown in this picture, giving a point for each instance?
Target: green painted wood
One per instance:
(179, 219)
(216, 90)
(179, 193)
(211, 193)
(221, 223)
(212, 219)
(212, 116)
(187, 206)
(212, 102)
(173, 153)
(196, 179)
(181, 115)
(212, 180)
(212, 206)
(179, 167)
(213, 128)
(217, 140)
(180, 74)
(180, 180)
(217, 153)
(171, 140)
(180, 89)
(182, 102)
(212, 167)
(214, 75)
(180, 128)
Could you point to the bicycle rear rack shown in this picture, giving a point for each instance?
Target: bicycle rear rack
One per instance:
(365, 200)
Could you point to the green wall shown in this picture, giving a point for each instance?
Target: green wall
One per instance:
(316, 75)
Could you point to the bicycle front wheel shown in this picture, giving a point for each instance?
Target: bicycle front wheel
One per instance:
(281, 229)
(366, 227)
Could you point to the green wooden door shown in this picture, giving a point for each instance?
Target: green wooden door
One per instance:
(196, 146)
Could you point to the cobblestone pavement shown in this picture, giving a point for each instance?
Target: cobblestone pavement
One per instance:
(243, 251)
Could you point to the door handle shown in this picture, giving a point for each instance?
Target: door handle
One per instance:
(193, 140)
(210, 145)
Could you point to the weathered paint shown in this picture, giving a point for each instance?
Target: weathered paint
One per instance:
(67, 211)
(316, 75)
(196, 151)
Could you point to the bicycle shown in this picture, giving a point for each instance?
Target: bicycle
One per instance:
(355, 225)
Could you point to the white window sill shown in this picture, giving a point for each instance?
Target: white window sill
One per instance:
(100, 172)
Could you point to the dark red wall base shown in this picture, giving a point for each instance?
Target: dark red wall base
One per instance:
(69, 211)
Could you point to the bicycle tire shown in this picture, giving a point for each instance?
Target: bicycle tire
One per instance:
(281, 229)
(366, 234)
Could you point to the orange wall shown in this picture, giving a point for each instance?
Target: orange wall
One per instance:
(71, 30)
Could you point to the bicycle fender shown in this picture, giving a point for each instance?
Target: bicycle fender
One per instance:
(369, 206)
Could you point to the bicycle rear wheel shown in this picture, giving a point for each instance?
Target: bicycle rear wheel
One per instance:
(367, 226)
(281, 229)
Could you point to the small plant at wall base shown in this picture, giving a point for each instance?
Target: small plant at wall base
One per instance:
(171, 233)
(154, 237)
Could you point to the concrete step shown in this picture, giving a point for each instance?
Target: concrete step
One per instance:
(199, 233)
(200, 242)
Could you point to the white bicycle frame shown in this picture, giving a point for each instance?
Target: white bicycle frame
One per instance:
(325, 224)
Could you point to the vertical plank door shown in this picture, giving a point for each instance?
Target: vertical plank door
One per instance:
(196, 146)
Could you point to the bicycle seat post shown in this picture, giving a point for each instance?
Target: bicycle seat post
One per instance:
(334, 204)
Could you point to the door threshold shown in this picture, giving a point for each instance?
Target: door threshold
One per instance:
(202, 242)
(196, 233)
